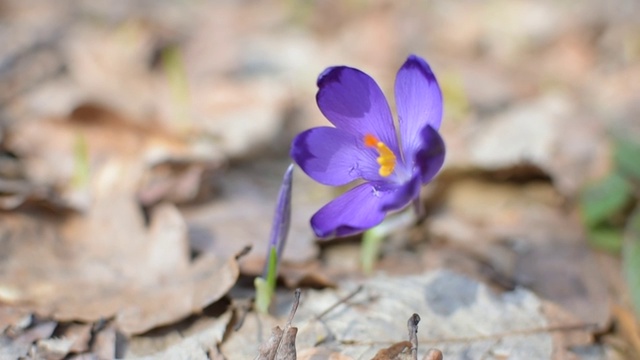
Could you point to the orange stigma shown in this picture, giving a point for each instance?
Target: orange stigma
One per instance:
(386, 160)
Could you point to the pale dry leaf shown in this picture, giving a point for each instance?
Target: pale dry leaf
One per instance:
(573, 332)
(105, 342)
(460, 315)
(187, 349)
(525, 236)
(78, 334)
(208, 279)
(321, 353)
(13, 317)
(53, 348)
(548, 133)
(69, 157)
(287, 348)
(281, 345)
(578, 286)
(141, 276)
(17, 346)
(269, 349)
(245, 342)
(111, 67)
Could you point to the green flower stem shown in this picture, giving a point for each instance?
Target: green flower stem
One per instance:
(266, 288)
(372, 238)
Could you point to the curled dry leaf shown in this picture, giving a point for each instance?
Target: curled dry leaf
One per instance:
(281, 345)
(397, 351)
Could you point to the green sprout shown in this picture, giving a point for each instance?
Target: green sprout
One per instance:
(266, 285)
(372, 238)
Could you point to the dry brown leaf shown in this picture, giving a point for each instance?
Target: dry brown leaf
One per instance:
(282, 342)
(397, 351)
(630, 329)
(143, 277)
(197, 337)
(433, 354)
(51, 153)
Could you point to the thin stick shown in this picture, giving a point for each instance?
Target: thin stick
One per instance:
(532, 331)
(284, 350)
(412, 325)
(341, 301)
(294, 308)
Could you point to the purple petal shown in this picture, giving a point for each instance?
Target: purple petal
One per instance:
(333, 157)
(430, 158)
(419, 102)
(352, 212)
(353, 102)
(399, 197)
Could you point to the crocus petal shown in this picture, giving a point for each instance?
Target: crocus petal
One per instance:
(418, 102)
(350, 213)
(398, 197)
(333, 157)
(353, 102)
(430, 158)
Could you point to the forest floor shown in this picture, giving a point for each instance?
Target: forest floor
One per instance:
(142, 146)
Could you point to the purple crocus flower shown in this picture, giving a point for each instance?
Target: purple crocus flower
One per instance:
(364, 145)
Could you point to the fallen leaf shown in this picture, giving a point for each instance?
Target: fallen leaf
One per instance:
(18, 346)
(141, 276)
(460, 315)
(321, 354)
(194, 341)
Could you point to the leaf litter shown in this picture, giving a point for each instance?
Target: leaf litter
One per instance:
(139, 155)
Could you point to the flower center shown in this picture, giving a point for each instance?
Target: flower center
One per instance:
(386, 160)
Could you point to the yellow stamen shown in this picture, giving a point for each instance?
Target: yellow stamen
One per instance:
(386, 160)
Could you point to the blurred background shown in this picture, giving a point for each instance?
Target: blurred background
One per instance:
(140, 138)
